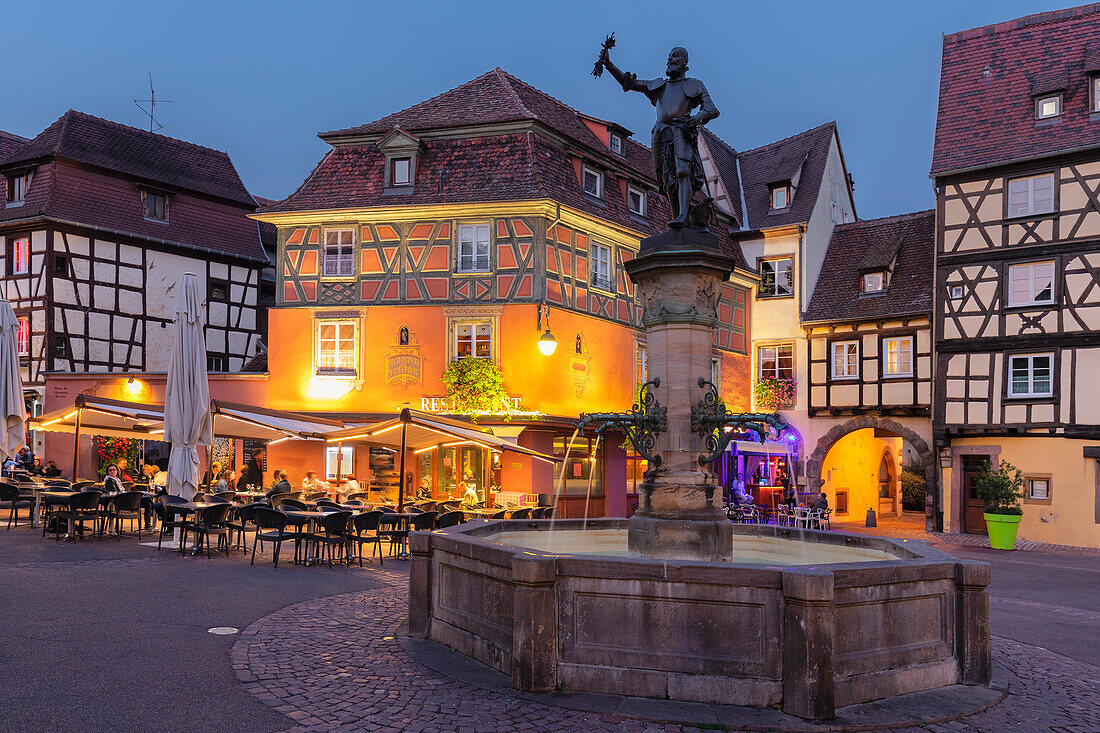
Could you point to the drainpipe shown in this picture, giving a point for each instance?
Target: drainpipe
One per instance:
(802, 267)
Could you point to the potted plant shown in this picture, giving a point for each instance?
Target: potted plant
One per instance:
(774, 392)
(1001, 491)
(475, 387)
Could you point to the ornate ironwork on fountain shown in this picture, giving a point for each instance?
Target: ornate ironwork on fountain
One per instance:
(646, 420)
(709, 418)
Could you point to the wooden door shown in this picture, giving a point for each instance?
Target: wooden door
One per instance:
(973, 507)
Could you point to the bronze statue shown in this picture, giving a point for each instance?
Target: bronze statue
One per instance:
(676, 134)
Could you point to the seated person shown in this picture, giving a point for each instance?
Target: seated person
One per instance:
(469, 496)
(424, 493)
(227, 481)
(740, 496)
(123, 470)
(281, 485)
(821, 503)
(112, 484)
(311, 484)
(212, 473)
(351, 486)
(51, 470)
(160, 478)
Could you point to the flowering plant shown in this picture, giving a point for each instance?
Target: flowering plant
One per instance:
(110, 450)
(773, 392)
(475, 386)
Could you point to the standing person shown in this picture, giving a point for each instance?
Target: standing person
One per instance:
(26, 460)
(253, 472)
(313, 484)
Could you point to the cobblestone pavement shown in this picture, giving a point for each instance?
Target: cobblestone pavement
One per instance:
(335, 664)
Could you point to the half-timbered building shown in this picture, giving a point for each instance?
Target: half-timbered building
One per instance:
(782, 200)
(99, 222)
(470, 225)
(1017, 315)
(869, 342)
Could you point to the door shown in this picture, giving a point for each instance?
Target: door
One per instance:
(887, 485)
(973, 507)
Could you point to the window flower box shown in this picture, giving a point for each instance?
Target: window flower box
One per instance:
(771, 393)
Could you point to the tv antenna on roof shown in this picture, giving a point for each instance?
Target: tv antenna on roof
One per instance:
(152, 101)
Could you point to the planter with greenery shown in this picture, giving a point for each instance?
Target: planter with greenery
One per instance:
(912, 487)
(475, 387)
(110, 450)
(1002, 490)
(774, 392)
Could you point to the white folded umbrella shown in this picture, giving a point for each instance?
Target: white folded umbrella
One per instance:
(13, 410)
(187, 395)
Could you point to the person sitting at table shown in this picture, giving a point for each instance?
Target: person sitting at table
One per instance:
(112, 484)
(212, 474)
(351, 486)
(227, 481)
(311, 483)
(424, 493)
(37, 467)
(51, 470)
(821, 503)
(123, 474)
(281, 485)
(470, 499)
(160, 477)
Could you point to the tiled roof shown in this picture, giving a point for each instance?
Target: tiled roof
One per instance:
(258, 363)
(778, 162)
(132, 152)
(9, 143)
(988, 75)
(910, 237)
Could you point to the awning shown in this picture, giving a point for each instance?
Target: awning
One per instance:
(761, 449)
(423, 431)
(232, 420)
(102, 416)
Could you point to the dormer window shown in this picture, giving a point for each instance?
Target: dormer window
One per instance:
(635, 200)
(401, 171)
(780, 196)
(593, 182)
(873, 282)
(155, 206)
(1048, 107)
(17, 188)
(615, 144)
(1094, 93)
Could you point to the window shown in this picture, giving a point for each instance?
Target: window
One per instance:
(1031, 284)
(1030, 375)
(899, 356)
(781, 197)
(1094, 86)
(1047, 107)
(601, 266)
(339, 253)
(336, 348)
(345, 456)
(835, 213)
(20, 256)
(473, 248)
(219, 290)
(635, 200)
(716, 372)
(593, 182)
(874, 282)
(640, 367)
(474, 339)
(615, 144)
(776, 361)
(23, 336)
(61, 265)
(17, 187)
(845, 359)
(776, 278)
(401, 171)
(1038, 489)
(956, 292)
(155, 206)
(1031, 195)
(215, 363)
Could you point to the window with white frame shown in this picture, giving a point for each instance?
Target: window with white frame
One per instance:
(400, 171)
(1031, 283)
(615, 143)
(835, 213)
(873, 282)
(601, 266)
(593, 182)
(1031, 195)
(956, 292)
(1094, 87)
(898, 355)
(776, 277)
(635, 200)
(1048, 106)
(23, 336)
(473, 338)
(337, 350)
(780, 197)
(776, 362)
(20, 256)
(154, 206)
(845, 359)
(1030, 375)
(339, 253)
(473, 248)
(17, 188)
(1038, 489)
(339, 461)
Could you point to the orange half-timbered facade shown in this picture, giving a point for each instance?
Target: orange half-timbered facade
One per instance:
(442, 232)
(1017, 313)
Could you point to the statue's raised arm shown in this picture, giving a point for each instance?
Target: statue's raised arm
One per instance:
(627, 80)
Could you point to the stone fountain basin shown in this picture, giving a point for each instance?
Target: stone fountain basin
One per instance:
(805, 638)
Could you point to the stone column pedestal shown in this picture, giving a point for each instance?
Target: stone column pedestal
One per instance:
(534, 630)
(679, 274)
(420, 585)
(974, 651)
(809, 630)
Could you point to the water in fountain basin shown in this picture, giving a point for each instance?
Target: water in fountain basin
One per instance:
(591, 475)
(561, 479)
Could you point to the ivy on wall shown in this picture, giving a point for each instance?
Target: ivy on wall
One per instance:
(475, 386)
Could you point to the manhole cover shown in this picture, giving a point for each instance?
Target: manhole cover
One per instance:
(223, 630)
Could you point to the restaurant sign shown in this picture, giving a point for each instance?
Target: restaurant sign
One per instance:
(447, 406)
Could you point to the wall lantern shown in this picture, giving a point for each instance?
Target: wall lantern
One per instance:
(133, 387)
(547, 343)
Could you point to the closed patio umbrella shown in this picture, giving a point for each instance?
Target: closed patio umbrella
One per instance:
(13, 409)
(187, 396)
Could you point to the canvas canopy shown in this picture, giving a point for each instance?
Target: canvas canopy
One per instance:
(762, 449)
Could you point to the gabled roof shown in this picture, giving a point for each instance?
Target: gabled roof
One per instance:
(805, 154)
(988, 76)
(10, 142)
(907, 240)
(154, 158)
(725, 163)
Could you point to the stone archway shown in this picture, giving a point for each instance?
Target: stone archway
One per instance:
(814, 482)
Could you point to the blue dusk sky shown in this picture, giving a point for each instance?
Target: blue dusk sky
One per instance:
(259, 80)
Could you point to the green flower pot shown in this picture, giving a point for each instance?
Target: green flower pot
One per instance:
(1002, 530)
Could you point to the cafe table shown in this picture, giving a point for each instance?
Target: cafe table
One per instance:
(191, 507)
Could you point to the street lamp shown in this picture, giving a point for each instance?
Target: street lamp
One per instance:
(547, 343)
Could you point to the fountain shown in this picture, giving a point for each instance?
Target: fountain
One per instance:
(678, 602)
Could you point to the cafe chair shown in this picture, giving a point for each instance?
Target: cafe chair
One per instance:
(285, 502)
(11, 498)
(162, 508)
(360, 496)
(126, 505)
(393, 528)
(211, 521)
(317, 495)
(521, 514)
(271, 527)
(238, 520)
(333, 534)
(82, 506)
(502, 514)
(364, 529)
(450, 519)
(425, 521)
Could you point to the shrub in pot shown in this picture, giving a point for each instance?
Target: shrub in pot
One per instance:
(1002, 490)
